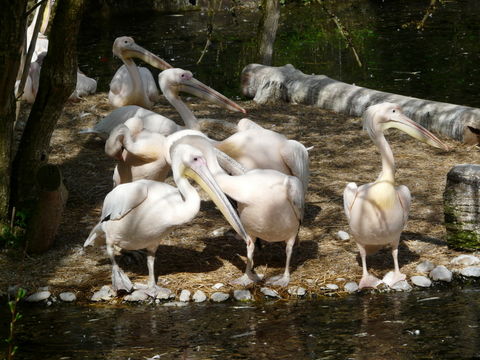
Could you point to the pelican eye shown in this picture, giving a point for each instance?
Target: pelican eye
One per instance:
(393, 110)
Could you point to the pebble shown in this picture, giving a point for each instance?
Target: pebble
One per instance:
(351, 287)
(199, 296)
(425, 267)
(420, 280)
(136, 296)
(105, 293)
(269, 292)
(441, 273)
(219, 232)
(38, 296)
(242, 295)
(164, 294)
(343, 235)
(297, 291)
(401, 285)
(465, 260)
(331, 287)
(471, 271)
(67, 296)
(217, 286)
(184, 296)
(219, 296)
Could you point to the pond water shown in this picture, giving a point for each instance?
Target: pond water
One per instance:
(439, 62)
(430, 324)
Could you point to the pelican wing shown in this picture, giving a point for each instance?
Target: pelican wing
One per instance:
(405, 200)
(123, 199)
(349, 195)
(295, 156)
(296, 196)
(247, 124)
(118, 79)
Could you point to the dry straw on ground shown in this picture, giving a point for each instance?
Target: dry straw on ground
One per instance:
(193, 257)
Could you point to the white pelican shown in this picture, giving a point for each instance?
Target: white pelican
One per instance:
(270, 204)
(85, 86)
(33, 78)
(131, 85)
(377, 212)
(172, 82)
(138, 215)
(258, 148)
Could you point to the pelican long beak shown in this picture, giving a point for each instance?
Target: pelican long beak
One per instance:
(199, 89)
(139, 52)
(202, 176)
(405, 124)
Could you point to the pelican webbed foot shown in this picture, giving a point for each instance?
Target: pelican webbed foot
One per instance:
(120, 280)
(369, 281)
(247, 279)
(278, 280)
(393, 277)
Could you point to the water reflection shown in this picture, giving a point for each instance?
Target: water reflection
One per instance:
(423, 324)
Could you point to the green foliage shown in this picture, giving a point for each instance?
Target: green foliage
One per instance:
(13, 236)
(16, 316)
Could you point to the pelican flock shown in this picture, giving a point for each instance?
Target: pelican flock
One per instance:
(258, 178)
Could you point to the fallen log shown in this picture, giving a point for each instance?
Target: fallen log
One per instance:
(285, 83)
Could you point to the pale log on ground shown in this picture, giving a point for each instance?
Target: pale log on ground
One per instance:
(285, 83)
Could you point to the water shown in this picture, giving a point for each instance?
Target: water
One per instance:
(438, 63)
(418, 325)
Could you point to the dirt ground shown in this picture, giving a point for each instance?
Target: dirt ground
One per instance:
(196, 256)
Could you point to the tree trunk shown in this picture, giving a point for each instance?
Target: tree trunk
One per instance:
(57, 82)
(268, 30)
(461, 207)
(13, 20)
(285, 83)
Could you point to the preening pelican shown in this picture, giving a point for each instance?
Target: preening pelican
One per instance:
(377, 212)
(258, 148)
(137, 215)
(270, 204)
(132, 85)
(172, 82)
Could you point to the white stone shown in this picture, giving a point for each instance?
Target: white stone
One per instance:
(219, 296)
(175, 303)
(38, 296)
(471, 271)
(343, 235)
(105, 293)
(422, 281)
(465, 260)
(219, 232)
(269, 292)
(164, 294)
(217, 286)
(67, 296)
(425, 267)
(137, 295)
(199, 296)
(401, 285)
(331, 287)
(297, 291)
(184, 295)
(242, 295)
(351, 287)
(441, 273)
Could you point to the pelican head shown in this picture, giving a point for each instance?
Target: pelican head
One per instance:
(175, 80)
(125, 48)
(380, 117)
(188, 161)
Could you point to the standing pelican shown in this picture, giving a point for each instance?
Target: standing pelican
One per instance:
(131, 85)
(138, 215)
(270, 204)
(377, 212)
(172, 82)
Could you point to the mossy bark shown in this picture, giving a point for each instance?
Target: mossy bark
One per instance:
(462, 207)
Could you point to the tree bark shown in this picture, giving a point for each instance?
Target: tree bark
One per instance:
(57, 82)
(268, 30)
(13, 20)
(269, 84)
